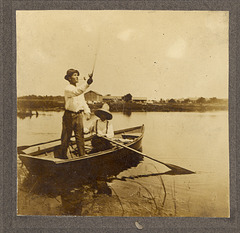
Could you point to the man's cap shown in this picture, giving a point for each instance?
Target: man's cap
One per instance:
(70, 72)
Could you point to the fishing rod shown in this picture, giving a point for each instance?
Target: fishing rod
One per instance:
(94, 63)
(95, 58)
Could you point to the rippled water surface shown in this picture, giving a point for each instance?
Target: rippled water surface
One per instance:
(195, 141)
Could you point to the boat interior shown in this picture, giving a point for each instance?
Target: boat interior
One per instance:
(50, 151)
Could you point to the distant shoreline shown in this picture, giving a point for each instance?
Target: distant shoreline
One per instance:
(32, 106)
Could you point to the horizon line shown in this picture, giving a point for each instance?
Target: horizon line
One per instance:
(195, 97)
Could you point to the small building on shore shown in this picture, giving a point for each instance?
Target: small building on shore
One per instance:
(193, 100)
(93, 96)
(112, 98)
(139, 99)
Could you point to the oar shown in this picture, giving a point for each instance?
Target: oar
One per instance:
(173, 167)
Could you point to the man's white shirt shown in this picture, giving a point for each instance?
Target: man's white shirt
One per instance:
(74, 98)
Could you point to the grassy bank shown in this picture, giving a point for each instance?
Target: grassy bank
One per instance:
(169, 107)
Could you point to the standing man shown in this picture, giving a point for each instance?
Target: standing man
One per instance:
(75, 106)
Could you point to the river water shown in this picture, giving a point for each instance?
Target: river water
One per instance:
(195, 141)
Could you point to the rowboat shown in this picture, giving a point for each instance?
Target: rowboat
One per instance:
(42, 159)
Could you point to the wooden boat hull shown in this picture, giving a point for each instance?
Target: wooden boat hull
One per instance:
(104, 163)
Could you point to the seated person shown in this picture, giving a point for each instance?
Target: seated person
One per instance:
(102, 127)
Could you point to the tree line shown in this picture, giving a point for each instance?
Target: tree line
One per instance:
(56, 103)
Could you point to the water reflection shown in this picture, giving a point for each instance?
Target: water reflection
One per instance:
(77, 189)
(127, 112)
(24, 114)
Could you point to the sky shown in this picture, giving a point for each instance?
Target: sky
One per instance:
(153, 54)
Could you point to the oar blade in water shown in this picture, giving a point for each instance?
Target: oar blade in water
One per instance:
(177, 170)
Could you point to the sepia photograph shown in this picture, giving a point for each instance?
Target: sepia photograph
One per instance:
(122, 113)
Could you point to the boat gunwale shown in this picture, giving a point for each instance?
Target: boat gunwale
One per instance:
(57, 161)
